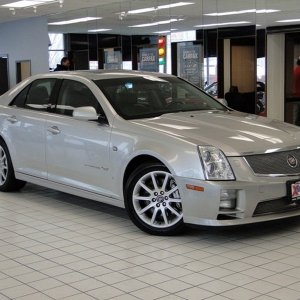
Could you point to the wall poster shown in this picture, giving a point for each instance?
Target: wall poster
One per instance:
(149, 59)
(190, 63)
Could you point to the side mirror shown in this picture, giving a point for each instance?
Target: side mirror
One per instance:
(87, 113)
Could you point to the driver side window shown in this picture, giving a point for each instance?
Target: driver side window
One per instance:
(75, 94)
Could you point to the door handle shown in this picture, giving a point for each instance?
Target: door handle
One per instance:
(54, 130)
(12, 119)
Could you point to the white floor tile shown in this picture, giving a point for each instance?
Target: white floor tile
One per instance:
(57, 246)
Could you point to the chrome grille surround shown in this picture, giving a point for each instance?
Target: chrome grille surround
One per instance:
(274, 164)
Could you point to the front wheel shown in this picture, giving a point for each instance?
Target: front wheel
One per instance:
(153, 201)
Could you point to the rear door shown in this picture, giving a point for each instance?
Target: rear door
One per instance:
(25, 128)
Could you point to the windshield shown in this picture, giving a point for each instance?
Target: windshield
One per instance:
(151, 96)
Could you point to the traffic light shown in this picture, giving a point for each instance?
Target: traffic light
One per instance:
(162, 50)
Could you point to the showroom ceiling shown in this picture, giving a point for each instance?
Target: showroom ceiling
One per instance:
(117, 15)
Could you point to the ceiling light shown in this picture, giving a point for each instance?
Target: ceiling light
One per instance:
(26, 3)
(266, 11)
(79, 20)
(149, 9)
(99, 30)
(140, 11)
(223, 24)
(288, 21)
(240, 12)
(164, 31)
(157, 23)
(21, 4)
(174, 5)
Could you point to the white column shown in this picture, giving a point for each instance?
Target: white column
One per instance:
(275, 75)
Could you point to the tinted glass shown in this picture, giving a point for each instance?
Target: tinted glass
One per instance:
(75, 94)
(39, 94)
(147, 96)
(20, 99)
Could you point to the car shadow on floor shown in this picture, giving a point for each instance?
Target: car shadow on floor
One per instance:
(257, 230)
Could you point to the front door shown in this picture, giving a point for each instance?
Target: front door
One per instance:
(77, 151)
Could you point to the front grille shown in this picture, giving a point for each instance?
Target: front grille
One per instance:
(274, 163)
(276, 206)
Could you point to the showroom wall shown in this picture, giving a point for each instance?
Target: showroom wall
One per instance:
(25, 40)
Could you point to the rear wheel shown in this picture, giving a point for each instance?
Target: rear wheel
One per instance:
(153, 201)
(8, 181)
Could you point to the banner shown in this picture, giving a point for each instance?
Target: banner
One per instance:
(190, 64)
(149, 59)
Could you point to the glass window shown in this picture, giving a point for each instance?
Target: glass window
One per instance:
(39, 93)
(36, 95)
(140, 97)
(19, 100)
(75, 94)
(56, 49)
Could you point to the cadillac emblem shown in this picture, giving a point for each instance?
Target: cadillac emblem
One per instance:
(292, 161)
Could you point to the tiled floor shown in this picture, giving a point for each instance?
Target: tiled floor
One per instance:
(56, 246)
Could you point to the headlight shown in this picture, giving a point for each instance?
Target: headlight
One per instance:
(215, 164)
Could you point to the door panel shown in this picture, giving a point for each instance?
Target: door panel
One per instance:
(78, 153)
(26, 129)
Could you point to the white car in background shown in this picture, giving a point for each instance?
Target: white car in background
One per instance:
(153, 143)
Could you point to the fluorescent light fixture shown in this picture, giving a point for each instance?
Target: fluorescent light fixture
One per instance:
(223, 24)
(174, 5)
(164, 31)
(140, 11)
(149, 9)
(240, 12)
(288, 21)
(26, 3)
(79, 20)
(99, 30)
(157, 23)
(266, 11)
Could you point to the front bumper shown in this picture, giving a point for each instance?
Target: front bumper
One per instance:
(257, 200)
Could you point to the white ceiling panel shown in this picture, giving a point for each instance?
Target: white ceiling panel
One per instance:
(189, 15)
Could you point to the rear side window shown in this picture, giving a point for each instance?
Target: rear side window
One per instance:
(20, 99)
(35, 96)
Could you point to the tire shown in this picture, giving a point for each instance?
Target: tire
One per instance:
(152, 200)
(8, 181)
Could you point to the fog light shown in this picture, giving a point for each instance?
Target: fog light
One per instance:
(228, 199)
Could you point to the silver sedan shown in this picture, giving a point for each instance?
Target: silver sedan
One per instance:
(152, 143)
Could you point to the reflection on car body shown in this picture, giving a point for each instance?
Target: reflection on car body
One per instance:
(152, 143)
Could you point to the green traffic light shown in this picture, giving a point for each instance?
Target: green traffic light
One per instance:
(161, 61)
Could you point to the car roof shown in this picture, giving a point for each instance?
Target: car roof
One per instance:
(103, 74)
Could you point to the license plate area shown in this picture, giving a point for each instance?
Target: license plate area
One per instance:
(293, 190)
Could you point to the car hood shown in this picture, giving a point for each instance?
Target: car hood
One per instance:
(233, 132)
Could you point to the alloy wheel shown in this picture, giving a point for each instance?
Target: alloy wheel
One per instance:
(156, 199)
